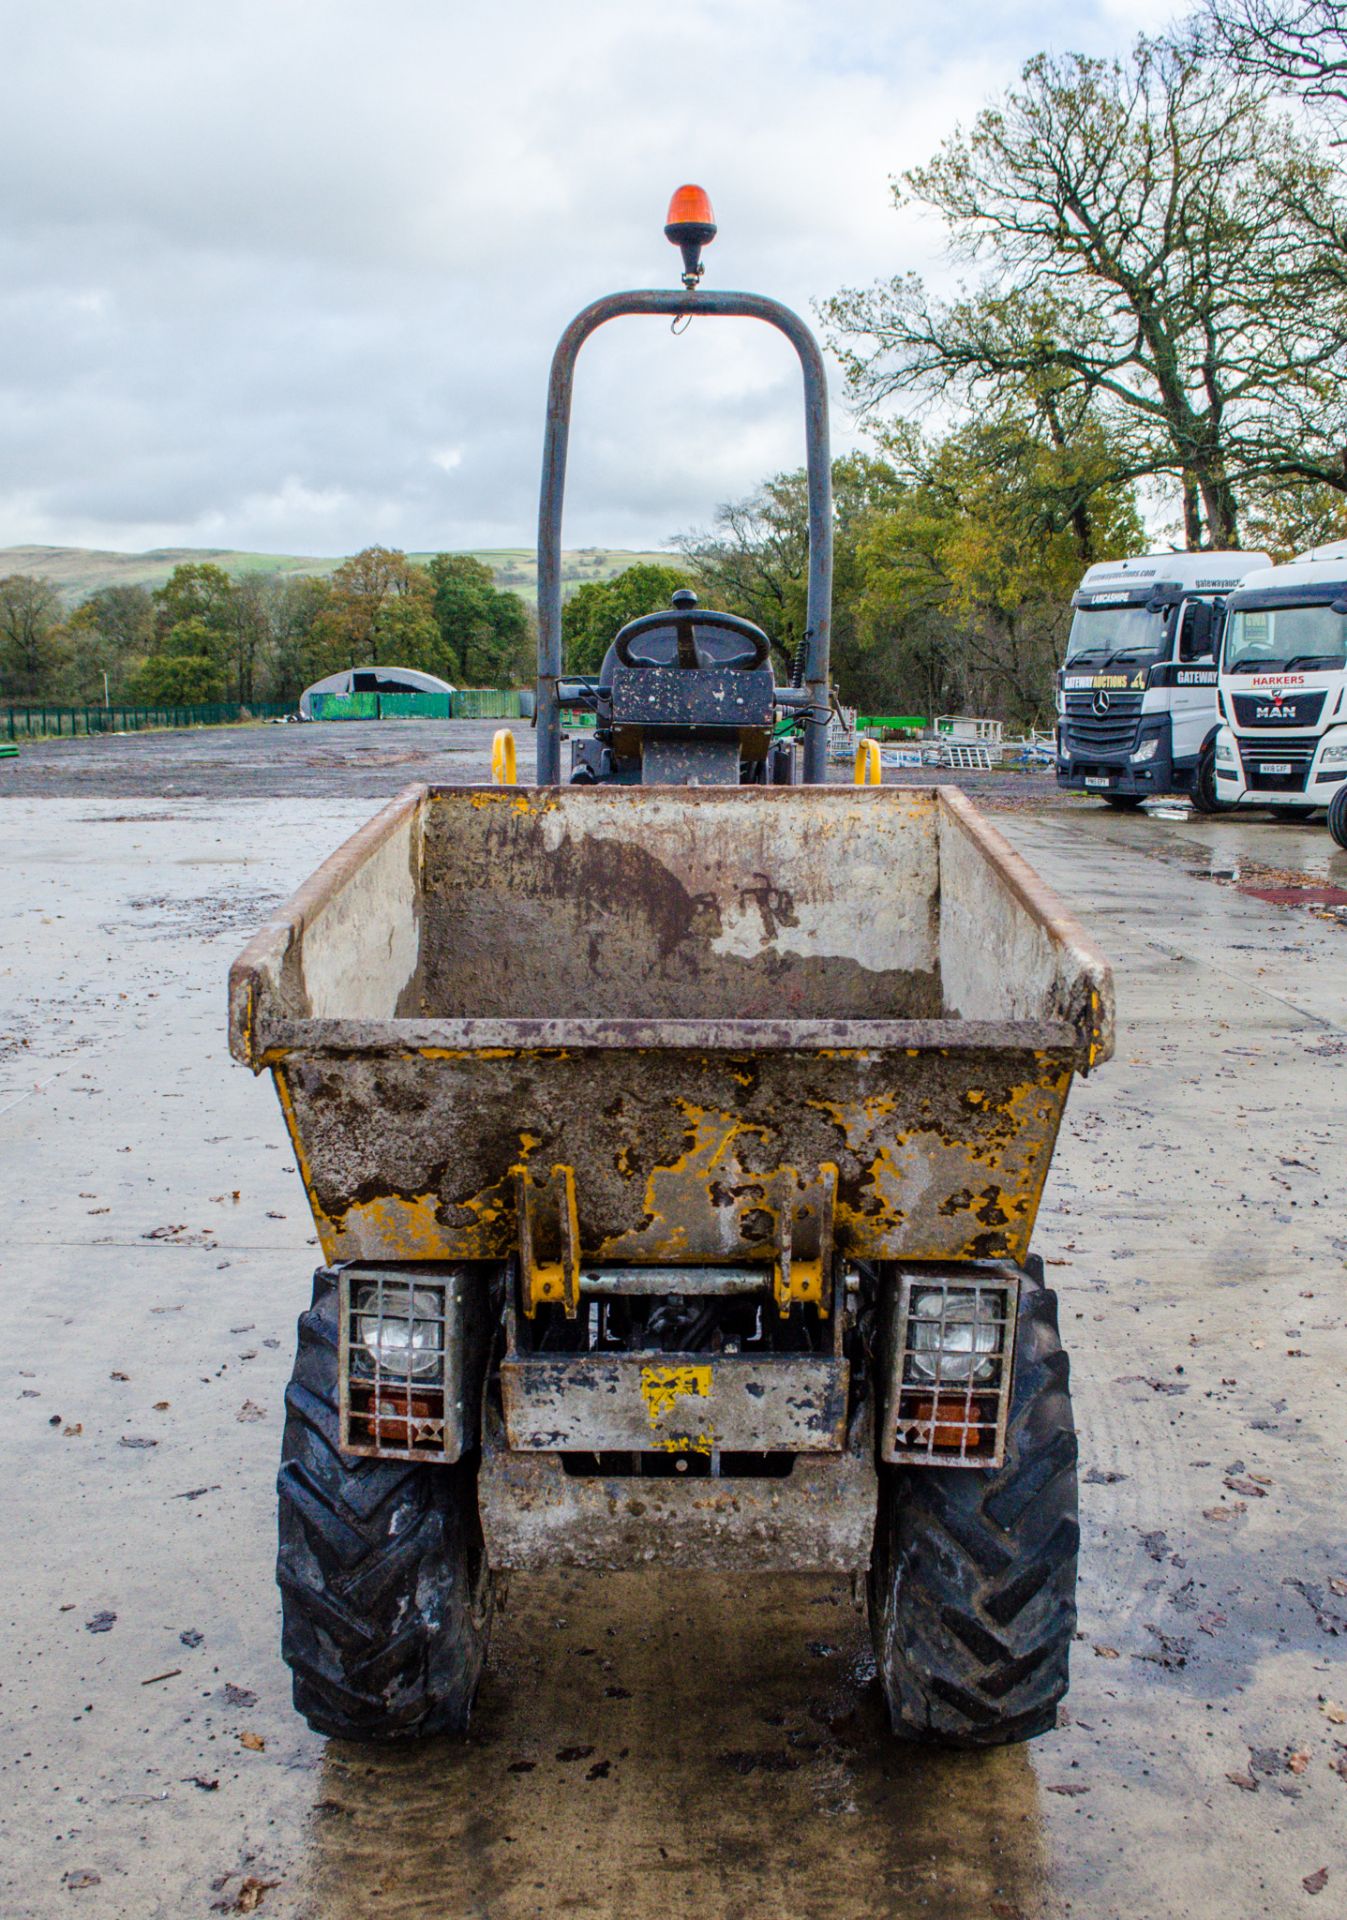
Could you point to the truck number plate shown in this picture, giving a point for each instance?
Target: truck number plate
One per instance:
(1275, 766)
(1096, 780)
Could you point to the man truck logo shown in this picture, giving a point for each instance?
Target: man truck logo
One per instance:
(1101, 703)
(1276, 709)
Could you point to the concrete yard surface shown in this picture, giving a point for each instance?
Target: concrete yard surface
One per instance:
(658, 1744)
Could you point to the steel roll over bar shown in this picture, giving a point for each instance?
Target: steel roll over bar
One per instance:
(818, 619)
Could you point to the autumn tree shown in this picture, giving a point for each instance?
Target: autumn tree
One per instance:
(593, 614)
(754, 559)
(1161, 251)
(30, 637)
(107, 637)
(485, 634)
(177, 679)
(381, 613)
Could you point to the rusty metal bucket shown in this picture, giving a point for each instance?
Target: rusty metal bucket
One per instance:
(670, 1023)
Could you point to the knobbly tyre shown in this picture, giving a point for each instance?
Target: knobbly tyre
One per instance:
(674, 1136)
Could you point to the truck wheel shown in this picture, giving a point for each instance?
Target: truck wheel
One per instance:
(1125, 802)
(973, 1578)
(1204, 795)
(385, 1591)
(1337, 816)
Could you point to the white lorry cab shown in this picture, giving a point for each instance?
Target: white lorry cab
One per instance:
(1136, 694)
(1283, 686)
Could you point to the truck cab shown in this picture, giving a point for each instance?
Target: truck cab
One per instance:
(1136, 694)
(1283, 686)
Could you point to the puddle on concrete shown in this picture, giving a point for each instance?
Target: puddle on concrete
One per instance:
(1280, 887)
(647, 1744)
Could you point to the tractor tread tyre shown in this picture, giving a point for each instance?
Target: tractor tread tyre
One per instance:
(973, 1580)
(385, 1599)
(1337, 816)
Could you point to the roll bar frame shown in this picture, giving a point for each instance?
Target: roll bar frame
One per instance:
(818, 618)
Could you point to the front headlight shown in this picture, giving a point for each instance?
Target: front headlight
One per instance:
(1225, 752)
(954, 1335)
(1146, 751)
(400, 1330)
(1334, 754)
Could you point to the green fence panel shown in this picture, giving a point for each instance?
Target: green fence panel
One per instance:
(485, 703)
(414, 706)
(36, 722)
(346, 706)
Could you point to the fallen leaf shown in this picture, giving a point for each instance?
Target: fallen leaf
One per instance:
(250, 1411)
(102, 1622)
(1298, 1761)
(1339, 1766)
(1244, 1780)
(1337, 1583)
(253, 1742)
(1070, 1791)
(82, 1877)
(1332, 1711)
(1315, 1882)
(136, 1440)
(1237, 1484)
(249, 1897)
(1108, 1653)
(1231, 1512)
(190, 1637)
(1210, 1622)
(238, 1696)
(161, 1406)
(119, 1376)
(69, 1433)
(200, 1780)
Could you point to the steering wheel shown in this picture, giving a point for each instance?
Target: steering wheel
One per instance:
(687, 637)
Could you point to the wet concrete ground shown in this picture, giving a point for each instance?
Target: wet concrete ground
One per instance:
(367, 758)
(650, 1745)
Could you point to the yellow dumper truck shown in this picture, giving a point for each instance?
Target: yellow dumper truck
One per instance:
(674, 1133)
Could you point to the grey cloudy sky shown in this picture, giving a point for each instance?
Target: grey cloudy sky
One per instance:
(287, 274)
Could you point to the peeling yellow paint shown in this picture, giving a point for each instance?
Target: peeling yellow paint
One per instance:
(686, 1443)
(663, 1387)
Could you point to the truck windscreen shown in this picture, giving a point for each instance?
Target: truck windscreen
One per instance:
(1276, 639)
(1107, 632)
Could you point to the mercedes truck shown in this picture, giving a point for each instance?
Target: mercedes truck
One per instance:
(1136, 694)
(1283, 689)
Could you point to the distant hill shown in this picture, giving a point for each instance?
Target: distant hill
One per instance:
(79, 571)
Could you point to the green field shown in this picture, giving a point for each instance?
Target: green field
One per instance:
(80, 571)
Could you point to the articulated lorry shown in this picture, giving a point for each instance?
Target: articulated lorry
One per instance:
(1136, 700)
(1283, 690)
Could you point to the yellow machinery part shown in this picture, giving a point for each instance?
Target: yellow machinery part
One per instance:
(869, 767)
(504, 761)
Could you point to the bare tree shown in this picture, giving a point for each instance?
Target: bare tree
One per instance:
(1162, 253)
(1296, 45)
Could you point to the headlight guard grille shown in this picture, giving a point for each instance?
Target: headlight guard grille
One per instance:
(938, 1412)
(392, 1412)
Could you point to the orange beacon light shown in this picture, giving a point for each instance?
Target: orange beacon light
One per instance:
(690, 225)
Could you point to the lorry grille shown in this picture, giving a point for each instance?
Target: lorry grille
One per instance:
(1085, 732)
(1293, 750)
